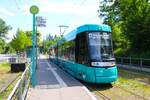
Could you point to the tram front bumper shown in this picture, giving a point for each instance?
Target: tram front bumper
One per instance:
(106, 79)
(106, 75)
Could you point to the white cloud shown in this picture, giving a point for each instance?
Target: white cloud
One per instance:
(6, 12)
(4, 16)
(65, 7)
(71, 12)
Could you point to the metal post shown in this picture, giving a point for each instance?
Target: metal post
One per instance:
(121, 60)
(33, 53)
(33, 10)
(57, 53)
(130, 60)
(141, 63)
(36, 45)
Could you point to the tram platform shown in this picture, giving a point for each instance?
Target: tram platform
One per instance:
(55, 84)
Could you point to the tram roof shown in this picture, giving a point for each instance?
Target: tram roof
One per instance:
(83, 28)
(86, 27)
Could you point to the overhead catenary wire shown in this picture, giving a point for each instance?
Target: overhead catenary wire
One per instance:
(16, 3)
(18, 7)
(81, 4)
(68, 17)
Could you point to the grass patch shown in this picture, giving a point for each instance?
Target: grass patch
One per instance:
(5, 78)
(134, 86)
(4, 95)
(4, 67)
(136, 76)
(135, 82)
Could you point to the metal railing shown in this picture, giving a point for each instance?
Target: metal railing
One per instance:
(19, 92)
(17, 60)
(141, 62)
(5, 57)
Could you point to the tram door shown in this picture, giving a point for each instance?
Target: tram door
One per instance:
(81, 54)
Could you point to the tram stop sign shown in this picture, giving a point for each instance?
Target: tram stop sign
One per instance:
(34, 9)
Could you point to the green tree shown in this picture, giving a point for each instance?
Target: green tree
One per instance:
(110, 12)
(4, 28)
(2, 45)
(49, 42)
(136, 17)
(21, 41)
(130, 22)
(29, 34)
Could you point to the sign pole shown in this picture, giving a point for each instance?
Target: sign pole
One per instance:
(33, 53)
(34, 10)
(36, 45)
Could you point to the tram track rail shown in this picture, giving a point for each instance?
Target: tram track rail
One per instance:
(10, 83)
(139, 96)
(103, 96)
(99, 92)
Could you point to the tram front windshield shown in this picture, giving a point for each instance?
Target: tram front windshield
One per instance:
(100, 46)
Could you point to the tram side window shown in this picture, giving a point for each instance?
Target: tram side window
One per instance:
(52, 52)
(72, 51)
(59, 51)
(69, 51)
(65, 53)
(81, 49)
(55, 52)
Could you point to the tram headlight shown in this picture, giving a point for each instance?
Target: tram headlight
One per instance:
(113, 64)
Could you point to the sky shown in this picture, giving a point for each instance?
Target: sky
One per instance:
(72, 13)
